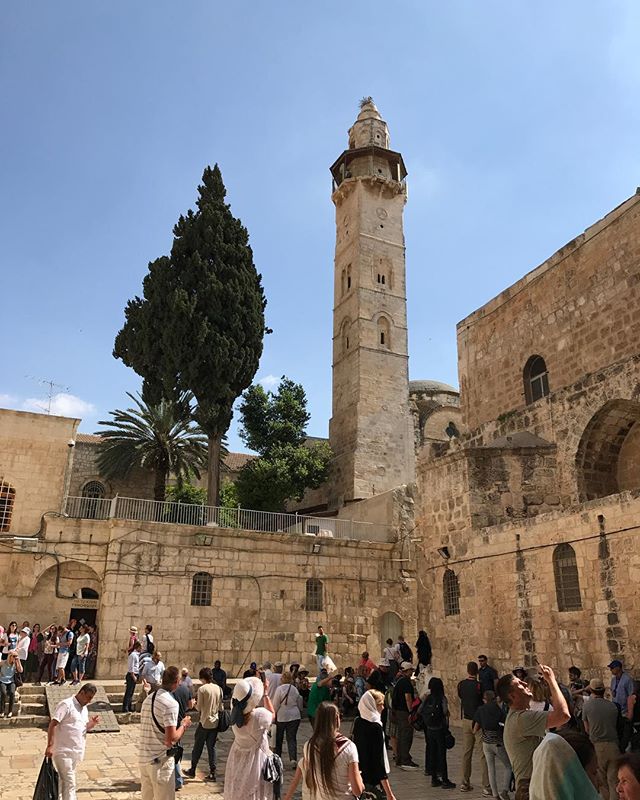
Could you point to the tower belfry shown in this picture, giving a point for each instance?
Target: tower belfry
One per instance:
(371, 431)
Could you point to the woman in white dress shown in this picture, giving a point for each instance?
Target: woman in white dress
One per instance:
(329, 767)
(251, 719)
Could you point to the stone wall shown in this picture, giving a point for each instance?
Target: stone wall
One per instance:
(139, 483)
(144, 571)
(35, 459)
(580, 311)
(508, 602)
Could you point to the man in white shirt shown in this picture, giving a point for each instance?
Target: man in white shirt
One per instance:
(131, 678)
(153, 670)
(79, 660)
(158, 735)
(68, 728)
(209, 704)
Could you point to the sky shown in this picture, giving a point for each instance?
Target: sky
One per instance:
(518, 121)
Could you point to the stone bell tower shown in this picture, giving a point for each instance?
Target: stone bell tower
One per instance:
(370, 432)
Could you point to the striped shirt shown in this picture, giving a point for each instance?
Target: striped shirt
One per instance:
(165, 708)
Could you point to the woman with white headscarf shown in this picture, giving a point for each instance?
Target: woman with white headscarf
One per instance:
(251, 719)
(368, 736)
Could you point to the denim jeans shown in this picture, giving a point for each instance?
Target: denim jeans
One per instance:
(7, 690)
(495, 753)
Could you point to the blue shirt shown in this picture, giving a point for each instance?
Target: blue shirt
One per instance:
(7, 671)
(621, 689)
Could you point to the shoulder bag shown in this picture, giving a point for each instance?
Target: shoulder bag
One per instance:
(177, 750)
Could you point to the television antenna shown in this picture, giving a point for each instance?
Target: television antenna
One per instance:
(52, 387)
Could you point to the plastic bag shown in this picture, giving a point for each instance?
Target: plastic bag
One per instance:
(328, 664)
(47, 784)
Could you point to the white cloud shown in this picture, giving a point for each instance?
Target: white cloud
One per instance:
(7, 399)
(62, 405)
(269, 381)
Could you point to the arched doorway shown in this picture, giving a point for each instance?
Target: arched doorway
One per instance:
(390, 627)
(608, 456)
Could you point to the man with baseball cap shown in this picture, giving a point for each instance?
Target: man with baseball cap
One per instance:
(401, 702)
(600, 719)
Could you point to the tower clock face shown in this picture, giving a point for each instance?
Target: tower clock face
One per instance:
(382, 214)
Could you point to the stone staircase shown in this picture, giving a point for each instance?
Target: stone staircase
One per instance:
(30, 708)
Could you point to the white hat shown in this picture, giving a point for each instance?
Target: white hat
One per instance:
(247, 695)
(406, 665)
(26, 630)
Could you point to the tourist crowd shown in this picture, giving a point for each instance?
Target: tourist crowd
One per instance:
(533, 735)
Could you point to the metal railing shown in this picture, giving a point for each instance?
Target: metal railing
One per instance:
(171, 513)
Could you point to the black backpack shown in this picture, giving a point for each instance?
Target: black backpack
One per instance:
(433, 713)
(150, 645)
(406, 652)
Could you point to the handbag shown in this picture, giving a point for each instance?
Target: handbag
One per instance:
(17, 679)
(177, 750)
(224, 720)
(273, 772)
(449, 740)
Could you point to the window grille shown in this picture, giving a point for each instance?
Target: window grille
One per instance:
(93, 489)
(451, 593)
(536, 379)
(313, 599)
(92, 493)
(201, 589)
(7, 499)
(565, 571)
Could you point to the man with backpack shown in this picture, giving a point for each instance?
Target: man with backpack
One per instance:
(470, 694)
(147, 647)
(401, 706)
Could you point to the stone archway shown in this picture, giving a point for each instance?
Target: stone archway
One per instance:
(63, 588)
(608, 455)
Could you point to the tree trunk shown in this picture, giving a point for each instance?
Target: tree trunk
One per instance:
(213, 470)
(160, 484)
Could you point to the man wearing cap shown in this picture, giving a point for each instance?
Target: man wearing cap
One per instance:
(621, 686)
(600, 719)
(131, 678)
(401, 702)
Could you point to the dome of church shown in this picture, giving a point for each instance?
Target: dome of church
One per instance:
(431, 387)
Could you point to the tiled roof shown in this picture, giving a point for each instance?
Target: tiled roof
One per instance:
(87, 438)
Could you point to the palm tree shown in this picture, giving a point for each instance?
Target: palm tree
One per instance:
(162, 437)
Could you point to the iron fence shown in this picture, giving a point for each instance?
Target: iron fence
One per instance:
(171, 513)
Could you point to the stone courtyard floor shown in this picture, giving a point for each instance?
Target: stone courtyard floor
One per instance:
(110, 767)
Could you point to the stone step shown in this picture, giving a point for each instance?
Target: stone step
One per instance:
(24, 721)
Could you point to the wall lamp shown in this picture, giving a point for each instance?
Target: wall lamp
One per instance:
(443, 552)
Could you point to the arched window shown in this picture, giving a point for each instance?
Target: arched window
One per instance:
(536, 379)
(201, 589)
(93, 489)
(346, 343)
(451, 593)
(91, 507)
(7, 499)
(313, 596)
(565, 572)
(384, 334)
(89, 594)
(348, 277)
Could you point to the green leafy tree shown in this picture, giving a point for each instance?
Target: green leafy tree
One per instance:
(274, 425)
(161, 437)
(200, 324)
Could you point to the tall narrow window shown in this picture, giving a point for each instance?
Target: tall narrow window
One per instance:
(451, 593)
(536, 379)
(7, 499)
(565, 572)
(384, 334)
(343, 283)
(313, 596)
(346, 326)
(201, 589)
(348, 277)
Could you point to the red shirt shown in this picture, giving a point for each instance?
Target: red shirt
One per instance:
(368, 665)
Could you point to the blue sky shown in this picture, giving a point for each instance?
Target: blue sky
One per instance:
(519, 123)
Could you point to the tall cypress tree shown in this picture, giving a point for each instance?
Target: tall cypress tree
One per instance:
(200, 325)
